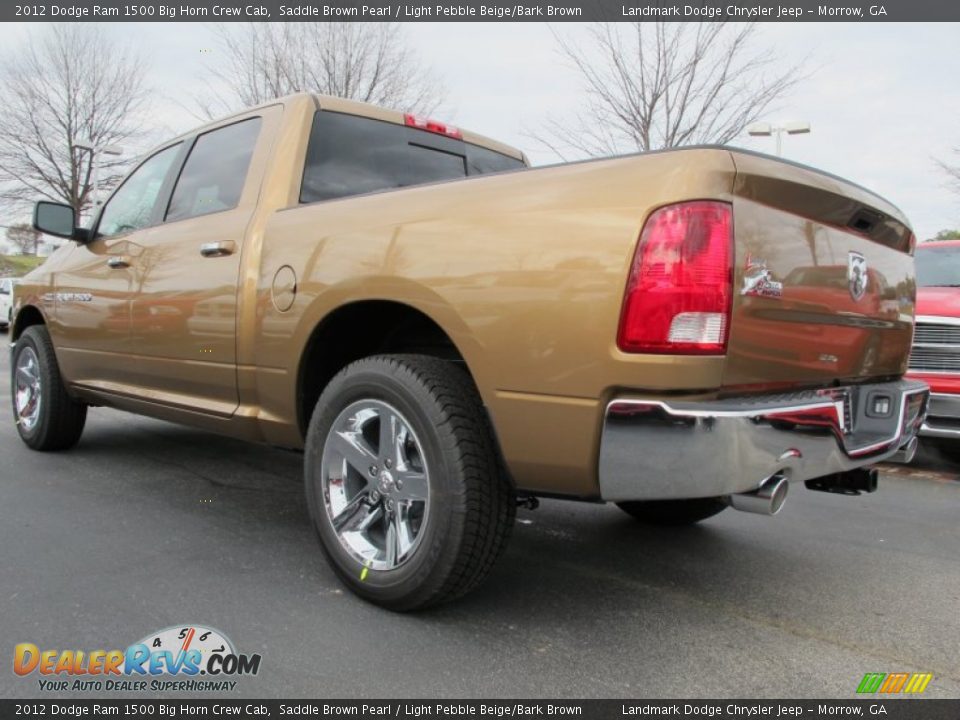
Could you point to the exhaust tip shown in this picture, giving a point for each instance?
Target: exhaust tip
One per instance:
(906, 452)
(768, 499)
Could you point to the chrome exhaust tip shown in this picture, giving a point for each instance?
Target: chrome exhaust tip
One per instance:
(906, 452)
(766, 499)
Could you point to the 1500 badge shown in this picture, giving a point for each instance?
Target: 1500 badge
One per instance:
(67, 297)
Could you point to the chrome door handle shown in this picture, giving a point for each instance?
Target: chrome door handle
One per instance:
(217, 249)
(119, 261)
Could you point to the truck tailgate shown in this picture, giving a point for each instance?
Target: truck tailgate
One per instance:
(823, 279)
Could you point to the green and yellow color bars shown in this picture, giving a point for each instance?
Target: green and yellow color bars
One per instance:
(890, 683)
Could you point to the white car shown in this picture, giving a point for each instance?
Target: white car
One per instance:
(6, 301)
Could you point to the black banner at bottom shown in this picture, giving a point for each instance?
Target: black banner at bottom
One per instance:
(900, 709)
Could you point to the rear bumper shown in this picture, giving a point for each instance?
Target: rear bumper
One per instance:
(943, 417)
(663, 449)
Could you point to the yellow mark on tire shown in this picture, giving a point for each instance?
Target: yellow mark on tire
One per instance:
(363, 573)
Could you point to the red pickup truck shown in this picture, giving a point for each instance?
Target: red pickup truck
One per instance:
(935, 357)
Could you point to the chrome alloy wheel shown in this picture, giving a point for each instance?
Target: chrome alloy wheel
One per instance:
(375, 484)
(28, 392)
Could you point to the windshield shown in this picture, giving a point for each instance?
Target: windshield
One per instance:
(938, 267)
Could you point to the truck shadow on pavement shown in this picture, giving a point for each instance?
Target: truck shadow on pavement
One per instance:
(564, 557)
(181, 473)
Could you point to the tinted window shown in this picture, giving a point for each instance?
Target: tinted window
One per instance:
(131, 207)
(938, 267)
(481, 160)
(213, 176)
(351, 155)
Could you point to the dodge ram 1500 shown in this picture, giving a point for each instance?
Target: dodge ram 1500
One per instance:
(446, 332)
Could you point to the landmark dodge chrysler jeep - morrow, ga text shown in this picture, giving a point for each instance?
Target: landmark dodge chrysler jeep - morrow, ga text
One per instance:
(445, 331)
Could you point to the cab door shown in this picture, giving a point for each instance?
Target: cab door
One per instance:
(91, 302)
(186, 276)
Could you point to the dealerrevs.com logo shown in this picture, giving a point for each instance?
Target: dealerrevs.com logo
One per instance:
(187, 658)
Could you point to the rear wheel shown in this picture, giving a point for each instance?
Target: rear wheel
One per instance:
(47, 417)
(673, 512)
(404, 485)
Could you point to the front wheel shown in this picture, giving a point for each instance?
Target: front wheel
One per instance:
(404, 484)
(47, 417)
(673, 512)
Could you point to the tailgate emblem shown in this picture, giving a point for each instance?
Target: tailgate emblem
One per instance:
(758, 281)
(856, 274)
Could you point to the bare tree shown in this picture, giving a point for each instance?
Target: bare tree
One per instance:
(23, 237)
(64, 86)
(653, 85)
(361, 61)
(953, 171)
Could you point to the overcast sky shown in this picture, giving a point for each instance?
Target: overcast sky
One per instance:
(883, 102)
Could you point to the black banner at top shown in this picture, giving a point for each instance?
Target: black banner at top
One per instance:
(481, 10)
(132, 709)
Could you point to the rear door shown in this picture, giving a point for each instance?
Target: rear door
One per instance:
(185, 281)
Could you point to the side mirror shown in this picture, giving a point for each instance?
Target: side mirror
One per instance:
(57, 219)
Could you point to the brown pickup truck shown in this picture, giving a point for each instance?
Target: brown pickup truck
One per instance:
(447, 333)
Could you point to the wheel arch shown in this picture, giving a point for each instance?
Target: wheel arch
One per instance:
(364, 327)
(27, 315)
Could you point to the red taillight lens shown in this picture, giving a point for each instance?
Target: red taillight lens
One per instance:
(432, 126)
(681, 283)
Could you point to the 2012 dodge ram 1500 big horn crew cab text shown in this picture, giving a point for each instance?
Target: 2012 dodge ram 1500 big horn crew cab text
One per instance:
(444, 331)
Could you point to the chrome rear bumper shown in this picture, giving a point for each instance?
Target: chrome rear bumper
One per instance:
(943, 417)
(665, 449)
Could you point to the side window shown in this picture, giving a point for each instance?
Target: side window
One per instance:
(131, 207)
(213, 177)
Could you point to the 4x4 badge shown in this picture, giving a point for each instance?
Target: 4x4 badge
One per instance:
(856, 274)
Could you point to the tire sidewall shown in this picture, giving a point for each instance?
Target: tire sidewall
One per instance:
(28, 339)
(437, 549)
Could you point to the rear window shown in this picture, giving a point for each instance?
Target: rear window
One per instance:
(938, 266)
(351, 155)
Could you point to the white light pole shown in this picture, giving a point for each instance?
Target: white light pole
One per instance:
(790, 128)
(95, 153)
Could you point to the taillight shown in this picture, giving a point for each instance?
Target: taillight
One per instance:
(432, 126)
(681, 283)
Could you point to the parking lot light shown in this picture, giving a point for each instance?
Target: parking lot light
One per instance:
(797, 127)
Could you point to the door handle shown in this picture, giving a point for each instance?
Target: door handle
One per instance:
(119, 261)
(217, 249)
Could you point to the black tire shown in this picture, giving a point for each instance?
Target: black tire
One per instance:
(673, 512)
(471, 502)
(60, 420)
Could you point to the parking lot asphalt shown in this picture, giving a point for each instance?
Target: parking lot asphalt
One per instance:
(146, 525)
